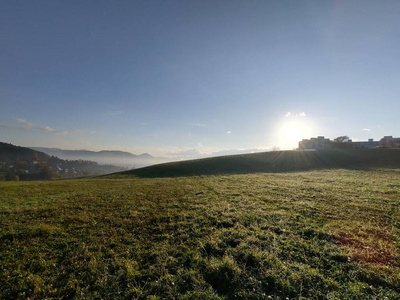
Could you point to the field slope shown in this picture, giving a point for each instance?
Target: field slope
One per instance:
(277, 161)
(331, 234)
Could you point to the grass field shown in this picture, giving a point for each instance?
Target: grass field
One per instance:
(303, 235)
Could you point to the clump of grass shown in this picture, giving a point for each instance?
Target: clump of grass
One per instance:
(310, 235)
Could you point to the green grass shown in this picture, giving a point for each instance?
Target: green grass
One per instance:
(303, 235)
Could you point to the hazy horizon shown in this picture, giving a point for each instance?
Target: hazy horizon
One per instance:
(186, 78)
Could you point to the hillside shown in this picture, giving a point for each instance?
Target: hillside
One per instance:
(20, 163)
(276, 161)
(10, 152)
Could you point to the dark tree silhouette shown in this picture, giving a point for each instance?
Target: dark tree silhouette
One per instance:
(342, 139)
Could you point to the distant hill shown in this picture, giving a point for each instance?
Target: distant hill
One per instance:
(28, 164)
(9, 152)
(120, 158)
(276, 161)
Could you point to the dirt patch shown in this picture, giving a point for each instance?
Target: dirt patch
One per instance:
(378, 249)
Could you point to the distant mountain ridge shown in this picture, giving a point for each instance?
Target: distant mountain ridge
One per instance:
(89, 152)
(29, 164)
(114, 157)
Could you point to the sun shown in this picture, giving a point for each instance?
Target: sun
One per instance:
(291, 132)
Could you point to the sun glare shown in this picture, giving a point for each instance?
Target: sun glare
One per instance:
(291, 132)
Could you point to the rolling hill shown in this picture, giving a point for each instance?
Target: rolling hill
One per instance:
(276, 161)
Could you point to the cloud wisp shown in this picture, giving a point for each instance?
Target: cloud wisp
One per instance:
(27, 126)
(198, 124)
(300, 114)
(112, 113)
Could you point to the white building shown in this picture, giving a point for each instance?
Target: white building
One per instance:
(323, 143)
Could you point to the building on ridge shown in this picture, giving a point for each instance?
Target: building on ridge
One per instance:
(321, 142)
(366, 145)
(315, 143)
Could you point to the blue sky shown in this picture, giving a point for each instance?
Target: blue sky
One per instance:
(170, 76)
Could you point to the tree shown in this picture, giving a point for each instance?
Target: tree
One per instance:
(45, 172)
(342, 139)
(10, 175)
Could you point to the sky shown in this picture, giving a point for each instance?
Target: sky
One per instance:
(177, 77)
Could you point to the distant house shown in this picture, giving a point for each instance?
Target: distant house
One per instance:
(390, 142)
(324, 143)
(366, 145)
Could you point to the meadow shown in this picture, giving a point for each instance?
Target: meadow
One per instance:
(327, 234)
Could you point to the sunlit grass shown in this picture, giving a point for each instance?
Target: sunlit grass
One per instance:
(321, 234)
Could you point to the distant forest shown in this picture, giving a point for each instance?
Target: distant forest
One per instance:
(20, 163)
